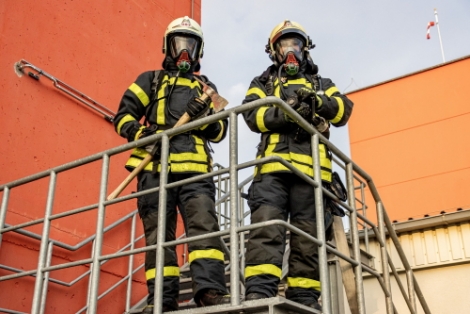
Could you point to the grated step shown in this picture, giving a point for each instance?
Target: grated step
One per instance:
(275, 305)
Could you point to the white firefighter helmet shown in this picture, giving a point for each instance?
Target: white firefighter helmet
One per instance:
(191, 38)
(277, 50)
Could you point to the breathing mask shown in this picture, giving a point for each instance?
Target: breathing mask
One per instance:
(184, 50)
(289, 52)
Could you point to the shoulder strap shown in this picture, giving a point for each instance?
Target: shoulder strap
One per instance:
(268, 79)
(157, 78)
(202, 78)
(315, 79)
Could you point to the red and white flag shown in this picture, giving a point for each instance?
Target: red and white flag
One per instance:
(428, 33)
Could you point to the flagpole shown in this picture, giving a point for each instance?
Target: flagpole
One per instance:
(439, 32)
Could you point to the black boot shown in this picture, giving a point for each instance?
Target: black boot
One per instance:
(212, 297)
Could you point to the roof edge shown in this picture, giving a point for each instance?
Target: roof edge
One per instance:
(410, 74)
(442, 220)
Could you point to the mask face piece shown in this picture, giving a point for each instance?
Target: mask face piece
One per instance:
(291, 64)
(289, 50)
(285, 45)
(183, 63)
(182, 42)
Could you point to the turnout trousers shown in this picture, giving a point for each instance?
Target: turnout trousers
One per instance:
(196, 204)
(278, 196)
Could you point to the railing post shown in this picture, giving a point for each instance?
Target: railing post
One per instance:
(416, 290)
(161, 229)
(50, 247)
(384, 256)
(96, 265)
(3, 211)
(320, 217)
(131, 265)
(355, 239)
(234, 243)
(44, 245)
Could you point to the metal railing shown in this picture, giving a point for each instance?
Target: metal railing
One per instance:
(22, 65)
(230, 210)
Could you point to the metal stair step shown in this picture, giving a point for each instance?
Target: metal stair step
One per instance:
(275, 305)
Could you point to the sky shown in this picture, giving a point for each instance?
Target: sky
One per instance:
(358, 44)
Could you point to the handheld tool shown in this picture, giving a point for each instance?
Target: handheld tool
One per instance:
(207, 92)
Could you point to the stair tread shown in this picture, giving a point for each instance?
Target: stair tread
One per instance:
(255, 306)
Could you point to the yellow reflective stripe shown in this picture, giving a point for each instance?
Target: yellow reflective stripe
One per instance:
(263, 269)
(308, 170)
(189, 167)
(200, 154)
(198, 140)
(134, 162)
(171, 271)
(124, 120)
(340, 113)
(260, 119)
(182, 81)
(257, 91)
(139, 92)
(137, 134)
(277, 166)
(277, 90)
(274, 138)
(302, 158)
(150, 274)
(319, 102)
(139, 152)
(306, 283)
(212, 254)
(299, 81)
(330, 91)
(219, 137)
(300, 161)
(168, 271)
(273, 167)
(162, 102)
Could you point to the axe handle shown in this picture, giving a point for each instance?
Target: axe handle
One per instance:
(185, 118)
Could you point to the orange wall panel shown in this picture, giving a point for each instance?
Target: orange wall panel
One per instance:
(98, 48)
(408, 102)
(411, 136)
(417, 152)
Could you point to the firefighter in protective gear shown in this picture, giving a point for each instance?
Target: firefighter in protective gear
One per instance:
(277, 193)
(162, 97)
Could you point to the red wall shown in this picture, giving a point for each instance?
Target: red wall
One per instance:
(98, 48)
(412, 136)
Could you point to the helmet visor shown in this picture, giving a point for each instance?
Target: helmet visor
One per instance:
(289, 44)
(179, 43)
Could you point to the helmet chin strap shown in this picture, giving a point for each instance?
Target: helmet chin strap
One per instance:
(183, 63)
(291, 65)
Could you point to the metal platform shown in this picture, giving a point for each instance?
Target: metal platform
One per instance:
(275, 305)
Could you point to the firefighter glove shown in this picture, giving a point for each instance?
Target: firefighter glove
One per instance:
(308, 96)
(147, 131)
(197, 107)
(302, 109)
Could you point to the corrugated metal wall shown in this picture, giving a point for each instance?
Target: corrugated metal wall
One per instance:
(440, 258)
(429, 248)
